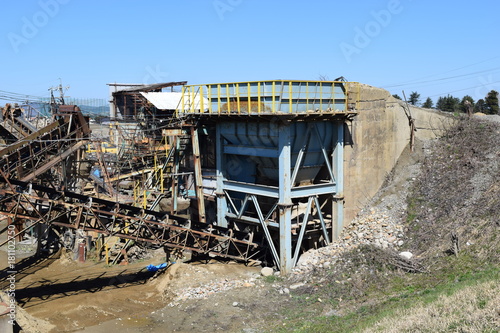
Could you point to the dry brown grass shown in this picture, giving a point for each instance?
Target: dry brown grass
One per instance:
(471, 309)
(459, 190)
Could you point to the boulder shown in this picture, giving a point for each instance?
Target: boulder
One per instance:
(266, 271)
(406, 255)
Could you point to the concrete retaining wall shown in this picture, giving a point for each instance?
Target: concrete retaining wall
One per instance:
(378, 136)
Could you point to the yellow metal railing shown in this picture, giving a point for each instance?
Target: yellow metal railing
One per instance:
(269, 97)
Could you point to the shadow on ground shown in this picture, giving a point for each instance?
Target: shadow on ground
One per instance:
(27, 266)
(48, 290)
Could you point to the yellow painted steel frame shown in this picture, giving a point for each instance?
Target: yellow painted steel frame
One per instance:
(194, 97)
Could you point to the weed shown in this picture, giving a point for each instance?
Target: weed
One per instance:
(272, 279)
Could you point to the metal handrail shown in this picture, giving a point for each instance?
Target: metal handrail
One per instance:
(268, 97)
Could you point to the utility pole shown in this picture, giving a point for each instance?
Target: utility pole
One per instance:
(60, 101)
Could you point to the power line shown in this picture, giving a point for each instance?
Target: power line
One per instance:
(452, 70)
(462, 89)
(493, 70)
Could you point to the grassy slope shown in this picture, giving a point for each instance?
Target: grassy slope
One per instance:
(457, 193)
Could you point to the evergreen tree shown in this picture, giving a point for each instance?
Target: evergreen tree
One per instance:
(396, 96)
(448, 103)
(414, 98)
(491, 101)
(428, 103)
(480, 106)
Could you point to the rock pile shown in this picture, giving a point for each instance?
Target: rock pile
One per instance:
(210, 288)
(376, 227)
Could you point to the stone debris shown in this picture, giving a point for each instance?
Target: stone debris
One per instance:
(296, 285)
(267, 271)
(209, 289)
(282, 291)
(380, 224)
(406, 255)
(376, 226)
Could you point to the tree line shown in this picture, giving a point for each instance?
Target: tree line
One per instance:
(487, 105)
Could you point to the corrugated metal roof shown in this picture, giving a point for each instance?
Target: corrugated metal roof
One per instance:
(131, 87)
(172, 100)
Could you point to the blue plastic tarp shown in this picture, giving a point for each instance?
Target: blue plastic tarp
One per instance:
(154, 268)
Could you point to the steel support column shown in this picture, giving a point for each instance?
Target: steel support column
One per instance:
(219, 174)
(197, 174)
(338, 165)
(285, 199)
(175, 145)
(303, 228)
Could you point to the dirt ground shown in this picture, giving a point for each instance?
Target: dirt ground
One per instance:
(93, 297)
(230, 310)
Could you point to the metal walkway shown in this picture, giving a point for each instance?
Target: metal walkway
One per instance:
(278, 97)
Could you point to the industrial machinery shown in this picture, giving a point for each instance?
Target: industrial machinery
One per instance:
(247, 170)
(278, 150)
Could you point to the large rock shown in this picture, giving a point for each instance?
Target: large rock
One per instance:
(266, 271)
(306, 258)
(406, 255)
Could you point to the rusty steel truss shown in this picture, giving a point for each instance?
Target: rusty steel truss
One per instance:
(36, 164)
(29, 204)
(36, 153)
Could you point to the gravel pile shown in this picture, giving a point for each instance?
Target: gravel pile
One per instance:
(210, 288)
(375, 226)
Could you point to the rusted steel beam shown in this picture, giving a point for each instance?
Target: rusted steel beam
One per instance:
(38, 152)
(37, 135)
(76, 211)
(53, 161)
(198, 180)
(74, 109)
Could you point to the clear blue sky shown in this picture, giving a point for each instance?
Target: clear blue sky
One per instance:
(432, 47)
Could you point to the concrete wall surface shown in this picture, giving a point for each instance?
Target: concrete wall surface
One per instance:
(376, 138)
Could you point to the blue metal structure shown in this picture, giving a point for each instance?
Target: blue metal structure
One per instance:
(264, 169)
(279, 158)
